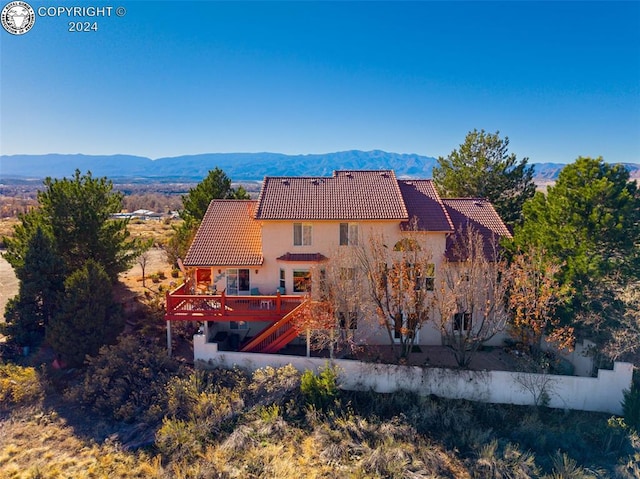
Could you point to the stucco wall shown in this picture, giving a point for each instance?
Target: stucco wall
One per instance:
(603, 393)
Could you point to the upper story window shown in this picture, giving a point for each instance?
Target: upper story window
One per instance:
(348, 234)
(301, 234)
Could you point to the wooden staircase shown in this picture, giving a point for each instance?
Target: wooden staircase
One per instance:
(276, 336)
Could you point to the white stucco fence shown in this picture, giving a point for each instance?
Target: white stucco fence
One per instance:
(603, 393)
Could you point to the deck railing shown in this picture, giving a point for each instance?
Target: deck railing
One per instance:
(181, 306)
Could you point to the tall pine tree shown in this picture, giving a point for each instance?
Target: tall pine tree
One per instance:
(217, 185)
(76, 213)
(589, 223)
(483, 168)
(41, 277)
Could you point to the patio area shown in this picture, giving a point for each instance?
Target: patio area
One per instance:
(487, 359)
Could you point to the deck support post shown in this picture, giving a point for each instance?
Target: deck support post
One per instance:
(169, 337)
(331, 341)
(308, 343)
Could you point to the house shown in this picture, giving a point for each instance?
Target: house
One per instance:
(253, 263)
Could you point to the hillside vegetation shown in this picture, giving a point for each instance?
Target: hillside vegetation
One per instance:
(279, 424)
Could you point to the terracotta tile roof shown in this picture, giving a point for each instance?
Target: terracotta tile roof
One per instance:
(304, 257)
(424, 204)
(228, 236)
(478, 214)
(347, 195)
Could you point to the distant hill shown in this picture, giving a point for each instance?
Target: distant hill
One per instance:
(238, 166)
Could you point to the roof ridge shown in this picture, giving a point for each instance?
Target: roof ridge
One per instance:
(467, 198)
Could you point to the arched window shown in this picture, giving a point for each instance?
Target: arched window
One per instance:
(407, 244)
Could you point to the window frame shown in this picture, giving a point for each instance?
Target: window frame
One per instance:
(348, 320)
(464, 319)
(349, 235)
(302, 234)
(297, 280)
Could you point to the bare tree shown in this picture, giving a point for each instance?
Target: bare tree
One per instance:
(470, 294)
(142, 260)
(334, 308)
(400, 281)
(625, 339)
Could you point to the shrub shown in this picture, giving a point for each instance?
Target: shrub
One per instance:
(19, 386)
(177, 439)
(273, 386)
(631, 407)
(320, 390)
(564, 467)
(127, 381)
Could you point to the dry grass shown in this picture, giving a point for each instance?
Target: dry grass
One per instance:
(159, 231)
(36, 445)
(7, 225)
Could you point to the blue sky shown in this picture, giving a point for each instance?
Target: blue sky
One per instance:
(560, 79)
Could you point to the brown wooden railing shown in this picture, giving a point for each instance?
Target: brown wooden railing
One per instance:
(276, 336)
(181, 306)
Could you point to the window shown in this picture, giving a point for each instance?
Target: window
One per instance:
(283, 282)
(348, 320)
(347, 274)
(323, 288)
(406, 244)
(238, 281)
(462, 321)
(237, 325)
(301, 234)
(397, 326)
(425, 277)
(301, 281)
(348, 234)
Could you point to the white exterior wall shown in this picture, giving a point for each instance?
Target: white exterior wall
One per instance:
(602, 394)
(277, 240)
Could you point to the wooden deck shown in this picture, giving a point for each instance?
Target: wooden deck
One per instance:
(181, 306)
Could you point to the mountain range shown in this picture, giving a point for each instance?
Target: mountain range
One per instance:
(238, 166)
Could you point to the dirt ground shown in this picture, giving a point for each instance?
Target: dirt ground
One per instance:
(156, 264)
(8, 285)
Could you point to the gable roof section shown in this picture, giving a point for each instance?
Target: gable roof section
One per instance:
(228, 236)
(424, 204)
(347, 195)
(478, 214)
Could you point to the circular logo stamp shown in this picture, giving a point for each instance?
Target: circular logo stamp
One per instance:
(18, 17)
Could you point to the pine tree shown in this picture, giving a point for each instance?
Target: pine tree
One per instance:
(483, 168)
(41, 277)
(216, 185)
(588, 222)
(89, 316)
(76, 214)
